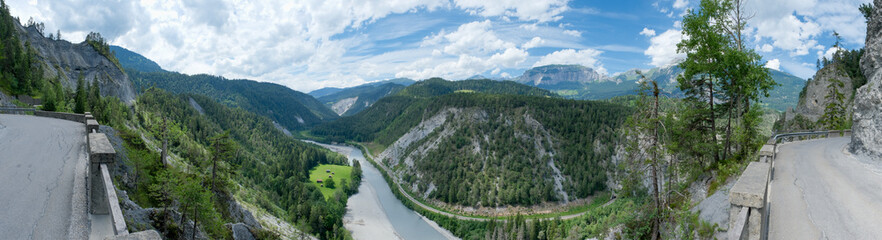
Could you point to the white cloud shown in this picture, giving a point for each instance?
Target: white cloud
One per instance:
(573, 33)
(474, 38)
(533, 10)
(510, 58)
(681, 4)
(585, 57)
(535, 42)
(829, 53)
(663, 48)
(765, 48)
(647, 32)
(795, 25)
(774, 64)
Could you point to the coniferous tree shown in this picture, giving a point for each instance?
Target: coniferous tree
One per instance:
(80, 100)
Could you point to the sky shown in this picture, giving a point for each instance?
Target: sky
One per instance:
(310, 44)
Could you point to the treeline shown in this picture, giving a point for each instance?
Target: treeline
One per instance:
(277, 165)
(20, 73)
(293, 110)
(437, 87)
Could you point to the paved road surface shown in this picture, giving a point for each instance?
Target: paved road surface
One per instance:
(821, 191)
(37, 161)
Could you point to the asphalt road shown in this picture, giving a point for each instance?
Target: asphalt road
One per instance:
(821, 191)
(38, 157)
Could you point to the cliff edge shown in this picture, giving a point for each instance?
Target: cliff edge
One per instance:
(867, 128)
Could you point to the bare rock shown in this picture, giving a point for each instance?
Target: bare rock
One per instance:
(867, 127)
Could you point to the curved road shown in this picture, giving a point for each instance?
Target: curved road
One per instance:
(38, 158)
(821, 191)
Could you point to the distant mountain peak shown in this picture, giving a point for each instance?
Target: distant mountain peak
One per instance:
(560, 75)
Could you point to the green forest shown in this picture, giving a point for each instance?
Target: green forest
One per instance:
(291, 109)
(273, 164)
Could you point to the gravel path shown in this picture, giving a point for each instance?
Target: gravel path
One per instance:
(38, 158)
(821, 191)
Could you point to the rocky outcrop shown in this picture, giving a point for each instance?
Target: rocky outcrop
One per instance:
(560, 76)
(814, 102)
(68, 61)
(867, 129)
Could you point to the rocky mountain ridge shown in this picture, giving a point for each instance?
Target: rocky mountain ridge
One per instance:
(68, 61)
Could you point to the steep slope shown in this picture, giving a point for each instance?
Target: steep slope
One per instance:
(292, 109)
(133, 60)
(271, 168)
(66, 62)
(455, 143)
(318, 93)
(814, 98)
(352, 100)
(868, 99)
(379, 121)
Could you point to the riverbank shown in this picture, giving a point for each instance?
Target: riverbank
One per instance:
(374, 213)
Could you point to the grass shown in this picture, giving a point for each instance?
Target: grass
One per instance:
(340, 173)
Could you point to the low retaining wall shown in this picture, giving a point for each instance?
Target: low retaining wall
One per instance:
(80, 118)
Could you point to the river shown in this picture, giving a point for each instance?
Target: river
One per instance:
(375, 213)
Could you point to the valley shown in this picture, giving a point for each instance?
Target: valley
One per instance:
(410, 120)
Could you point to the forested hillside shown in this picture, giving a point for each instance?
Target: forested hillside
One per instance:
(271, 168)
(352, 100)
(380, 123)
(456, 145)
(292, 109)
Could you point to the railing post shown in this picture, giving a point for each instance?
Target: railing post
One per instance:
(100, 152)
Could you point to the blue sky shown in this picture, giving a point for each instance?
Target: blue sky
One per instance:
(309, 44)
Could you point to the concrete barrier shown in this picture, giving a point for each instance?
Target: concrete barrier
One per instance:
(102, 194)
(91, 126)
(100, 152)
(80, 118)
(749, 194)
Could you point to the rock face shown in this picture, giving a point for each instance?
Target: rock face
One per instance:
(68, 61)
(559, 76)
(814, 102)
(867, 129)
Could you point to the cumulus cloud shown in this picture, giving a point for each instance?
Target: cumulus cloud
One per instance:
(794, 25)
(647, 32)
(829, 53)
(585, 57)
(474, 38)
(663, 48)
(680, 4)
(533, 10)
(774, 64)
(535, 42)
(765, 48)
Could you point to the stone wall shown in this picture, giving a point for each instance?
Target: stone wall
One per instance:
(867, 128)
(80, 118)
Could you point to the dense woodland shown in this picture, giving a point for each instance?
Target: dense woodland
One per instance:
(579, 130)
(277, 165)
(293, 110)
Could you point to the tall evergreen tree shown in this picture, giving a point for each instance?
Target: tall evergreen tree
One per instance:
(80, 99)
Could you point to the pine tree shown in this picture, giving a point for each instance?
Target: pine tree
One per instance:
(80, 100)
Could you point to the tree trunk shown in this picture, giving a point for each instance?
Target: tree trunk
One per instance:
(195, 221)
(713, 119)
(656, 222)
